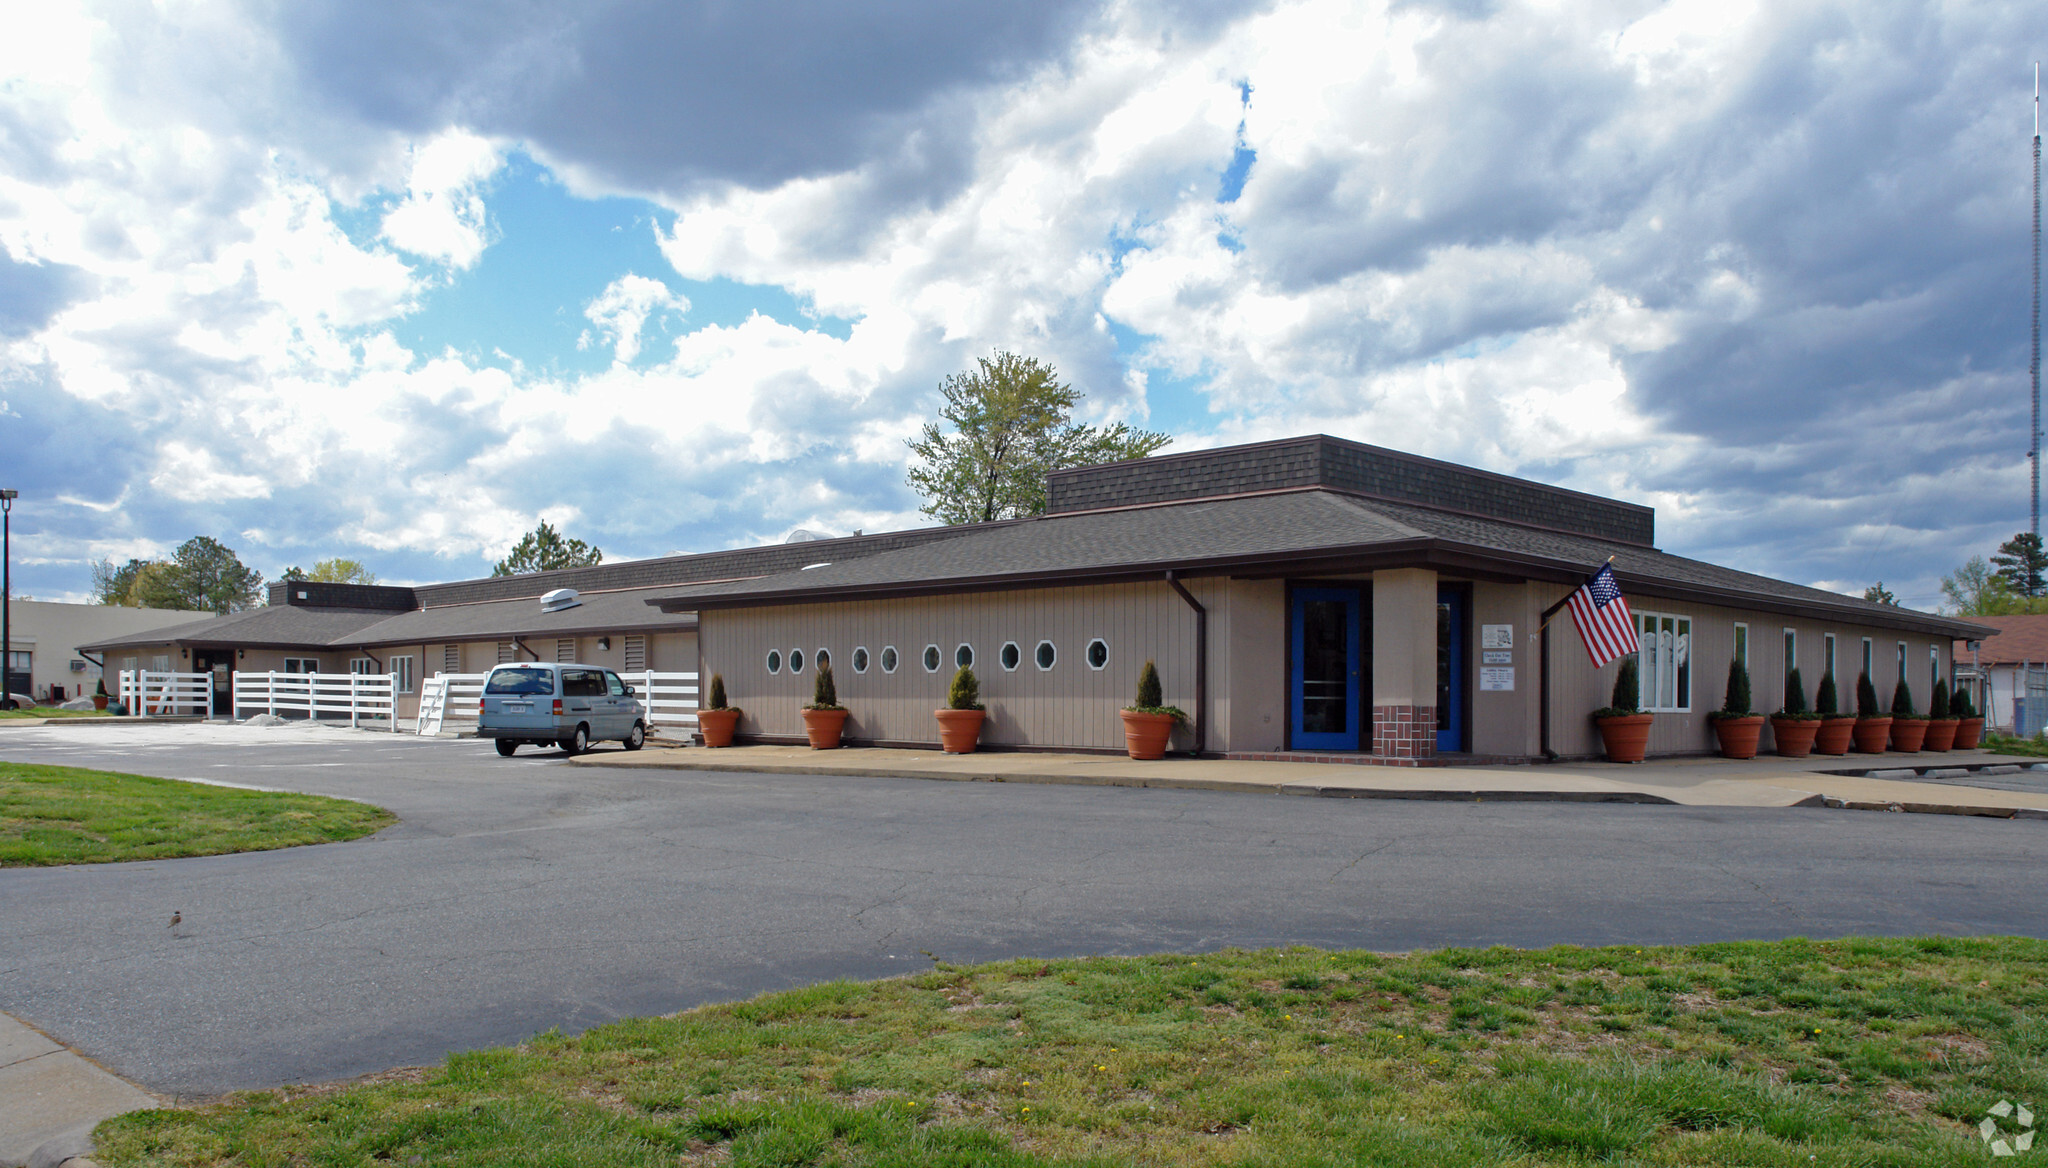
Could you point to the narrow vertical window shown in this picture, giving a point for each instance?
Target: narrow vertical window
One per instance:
(1827, 664)
(1791, 655)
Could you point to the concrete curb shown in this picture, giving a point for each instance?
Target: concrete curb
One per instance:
(51, 1099)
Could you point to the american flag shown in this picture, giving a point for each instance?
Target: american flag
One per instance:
(1603, 618)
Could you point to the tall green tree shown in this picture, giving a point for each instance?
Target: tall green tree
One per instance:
(111, 585)
(1011, 423)
(544, 549)
(1880, 594)
(334, 571)
(203, 574)
(2022, 565)
(1976, 590)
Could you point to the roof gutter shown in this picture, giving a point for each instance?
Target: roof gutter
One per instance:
(1201, 663)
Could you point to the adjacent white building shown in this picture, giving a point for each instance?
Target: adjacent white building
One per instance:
(45, 661)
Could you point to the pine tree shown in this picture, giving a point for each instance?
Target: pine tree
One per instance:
(1795, 693)
(965, 692)
(1902, 700)
(824, 693)
(1825, 702)
(1735, 699)
(1937, 706)
(1866, 697)
(1150, 697)
(718, 692)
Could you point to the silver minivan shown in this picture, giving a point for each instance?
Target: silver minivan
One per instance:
(541, 703)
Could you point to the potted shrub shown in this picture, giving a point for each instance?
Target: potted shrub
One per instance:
(1837, 730)
(1624, 728)
(824, 718)
(1969, 723)
(1795, 727)
(1149, 721)
(99, 695)
(1873, 729)
(1736, 725)
(1909, 729)
(1941, 725)
(716, 721)
(960, 721)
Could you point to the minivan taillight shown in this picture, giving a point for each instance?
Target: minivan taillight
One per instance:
(558, 706)
(479, 707)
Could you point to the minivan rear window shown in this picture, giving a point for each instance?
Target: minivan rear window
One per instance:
(521, 681)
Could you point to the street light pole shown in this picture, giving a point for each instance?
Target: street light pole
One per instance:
(7, 498)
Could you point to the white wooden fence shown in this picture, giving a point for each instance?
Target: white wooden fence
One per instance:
(670, 698)
(359, 695)
(146, 691)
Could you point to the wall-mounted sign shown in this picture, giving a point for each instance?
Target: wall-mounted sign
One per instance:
(1496, 636)
(1498, 656)
(1497, 677)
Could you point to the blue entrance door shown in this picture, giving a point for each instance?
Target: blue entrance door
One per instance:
(1452, 614)
(1327, 674)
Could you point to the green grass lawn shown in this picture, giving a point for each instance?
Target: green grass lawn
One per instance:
(1794, 1054)
(68, 815)
(51, 712)
(2008, 744)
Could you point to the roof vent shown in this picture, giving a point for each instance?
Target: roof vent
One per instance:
(800, 535)
(560, 599)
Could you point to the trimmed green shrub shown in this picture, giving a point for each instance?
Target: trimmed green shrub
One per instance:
(1959, 704)
(965, 692)
(1735, 699)
(824, 692)
(1866, 697)
(1902, 701)
(1824, 700)
(1150, 696)
(1937, 707)
(1795, 694)
(718, 692)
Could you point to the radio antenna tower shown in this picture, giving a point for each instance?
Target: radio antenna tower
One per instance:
(2034, 361)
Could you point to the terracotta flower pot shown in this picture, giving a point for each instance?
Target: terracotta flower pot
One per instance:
(823, 727)
(1145, 735)
(959, 730)
(1739, 736)
(716, 726)
(1908, 734)
(1625, 736)
(1941, 734)
(1872, 734)
(1835, 736)
(1968, 731)
(99, 701)
(1794, 736)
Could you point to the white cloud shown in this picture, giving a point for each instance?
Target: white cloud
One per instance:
(442, 216)
(622, 310)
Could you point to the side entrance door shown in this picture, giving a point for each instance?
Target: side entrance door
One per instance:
(219, 666)
(1453, 614)
(1327, 681)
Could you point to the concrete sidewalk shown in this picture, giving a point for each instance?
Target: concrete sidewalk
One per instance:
(1692, 782)
(51, 1099)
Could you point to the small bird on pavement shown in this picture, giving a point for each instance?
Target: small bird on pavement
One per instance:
(176, 917)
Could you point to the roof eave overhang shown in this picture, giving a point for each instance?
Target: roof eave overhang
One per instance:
(620, 627)
(1424, 552)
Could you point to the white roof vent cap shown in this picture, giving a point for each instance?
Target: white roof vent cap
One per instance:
(560, 599)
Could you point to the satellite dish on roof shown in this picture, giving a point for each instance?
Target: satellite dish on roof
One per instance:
(560, 599)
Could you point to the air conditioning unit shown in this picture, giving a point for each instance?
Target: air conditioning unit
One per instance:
(560, 599)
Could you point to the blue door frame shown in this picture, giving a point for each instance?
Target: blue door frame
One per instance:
(1453, 616)
(1326, 683)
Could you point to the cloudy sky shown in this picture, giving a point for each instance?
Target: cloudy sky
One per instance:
(394, 280)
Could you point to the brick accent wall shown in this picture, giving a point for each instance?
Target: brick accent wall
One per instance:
(1404, 731)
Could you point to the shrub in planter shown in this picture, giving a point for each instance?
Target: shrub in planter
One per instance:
(1624, 728)
(960, 722)
(99, 695)
(717, 719)
(824, 718)
(1941, 725)
(1149, 721)
(1969, 723)
(1909, 729)
(1873, 728)
(1795, 727)
(1837, 730)
(1736, 726)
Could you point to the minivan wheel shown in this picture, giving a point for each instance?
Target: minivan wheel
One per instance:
(506, 746)
(637, 738)
(578, 742)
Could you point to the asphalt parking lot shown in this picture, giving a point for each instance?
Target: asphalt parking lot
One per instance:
(521, 895)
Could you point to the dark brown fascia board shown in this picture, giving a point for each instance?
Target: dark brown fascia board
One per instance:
(538, 634)
(1426, 552)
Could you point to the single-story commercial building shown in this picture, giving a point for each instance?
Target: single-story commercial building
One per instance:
(45, 634)
(1311, 595)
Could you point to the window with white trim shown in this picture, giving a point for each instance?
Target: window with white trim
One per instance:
(1869, 659)
(403, 668)
(1934, 678)
(888, 659)
(1791, 656)
(301, 665)
(774, 661)
(1011, 656)
(1666, 670)
(1902, 665)
(161, 663)
(1827, 660)
(963, 657)
(1047, 655)
(1098, 653)
(823, 658)
(362, 665)
(796, 660)
(860, 658)
(931, 659)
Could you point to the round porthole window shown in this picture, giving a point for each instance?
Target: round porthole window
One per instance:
(1046, 655)
(888, 659)
(931, 658)
(860, 659)
(963, 657)
(1098, 654)
(1011, 656)
(796, 660)
(774, 661)
(824, 658)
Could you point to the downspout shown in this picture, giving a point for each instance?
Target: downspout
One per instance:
(89, 657)
(521, 643)
(1201, 663)
(364, 650)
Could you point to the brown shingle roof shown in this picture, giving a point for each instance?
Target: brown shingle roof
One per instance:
(2019, 638)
